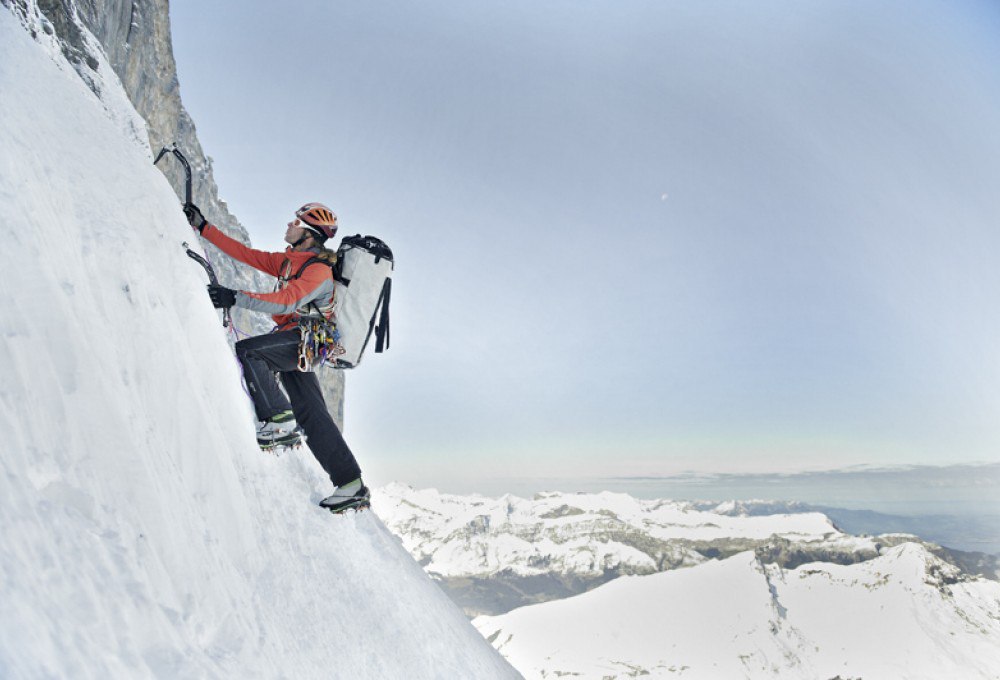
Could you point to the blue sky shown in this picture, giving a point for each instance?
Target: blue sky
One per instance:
(636, 237)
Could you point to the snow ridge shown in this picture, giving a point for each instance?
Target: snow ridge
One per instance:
(901, 615)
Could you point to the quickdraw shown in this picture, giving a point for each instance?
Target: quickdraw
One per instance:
(319, 342)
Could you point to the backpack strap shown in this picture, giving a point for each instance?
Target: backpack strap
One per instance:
(310, 261)
(382, 329)
(286, 267)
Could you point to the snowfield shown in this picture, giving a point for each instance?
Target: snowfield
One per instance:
(144, 534)
(905, 614)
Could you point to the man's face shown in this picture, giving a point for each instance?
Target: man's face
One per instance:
(294, 232)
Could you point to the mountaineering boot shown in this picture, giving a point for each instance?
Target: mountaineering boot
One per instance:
(278, 430)
(351, 495)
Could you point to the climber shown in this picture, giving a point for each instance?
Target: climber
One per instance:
(304, 287)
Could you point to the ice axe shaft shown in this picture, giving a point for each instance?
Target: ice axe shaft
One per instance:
(211, 276)
(187, 168)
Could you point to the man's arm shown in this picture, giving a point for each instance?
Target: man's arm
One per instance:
(316, 283)
(269, 263)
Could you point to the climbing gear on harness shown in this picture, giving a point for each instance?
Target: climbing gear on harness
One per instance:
(318, 342)
(211, 277)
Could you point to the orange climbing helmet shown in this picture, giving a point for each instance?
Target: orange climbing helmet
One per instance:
(318, 220)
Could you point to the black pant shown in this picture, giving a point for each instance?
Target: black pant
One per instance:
(261, 357)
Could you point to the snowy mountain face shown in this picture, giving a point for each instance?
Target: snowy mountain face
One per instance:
(905, 614)
(144, 533)
(730, 590)
(125, 44)
(492, 555)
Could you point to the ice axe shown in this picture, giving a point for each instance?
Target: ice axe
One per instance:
(213, 279)
(187, 168)
(187, 200)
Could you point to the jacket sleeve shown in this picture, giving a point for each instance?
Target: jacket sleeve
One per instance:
(269, 263)
(316, 283)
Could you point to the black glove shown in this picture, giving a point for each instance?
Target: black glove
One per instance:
(222, 297)
(195, 218)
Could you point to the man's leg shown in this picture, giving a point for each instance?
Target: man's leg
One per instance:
(261, 356)
(322, 435)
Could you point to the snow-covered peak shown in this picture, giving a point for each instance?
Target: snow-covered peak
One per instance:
(889, 617)
(144, 533)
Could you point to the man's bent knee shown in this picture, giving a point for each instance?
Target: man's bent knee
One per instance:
(241, 348)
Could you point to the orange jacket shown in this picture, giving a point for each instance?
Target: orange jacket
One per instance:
(315, 283)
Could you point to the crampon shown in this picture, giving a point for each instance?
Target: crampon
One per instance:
(337, 504)
(278, 447)
(357, 506)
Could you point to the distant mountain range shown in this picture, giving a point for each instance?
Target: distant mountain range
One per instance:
(943, 534)
(608, 586)
(495, 554)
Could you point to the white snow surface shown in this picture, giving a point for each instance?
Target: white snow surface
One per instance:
(905, 614)
(455, 535)
(144, 534)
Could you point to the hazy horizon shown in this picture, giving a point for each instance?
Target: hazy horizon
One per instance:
(906, 489)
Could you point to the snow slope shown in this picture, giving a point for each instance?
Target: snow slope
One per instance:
(904, 614)
(144, 535)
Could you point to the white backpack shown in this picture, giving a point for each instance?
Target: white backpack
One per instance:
(361, 289)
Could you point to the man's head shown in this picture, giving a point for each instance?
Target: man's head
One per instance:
(313, 220)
